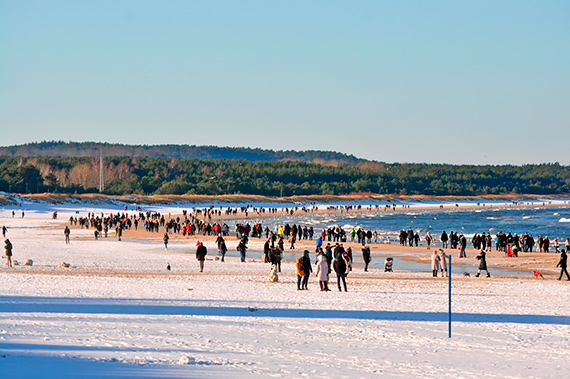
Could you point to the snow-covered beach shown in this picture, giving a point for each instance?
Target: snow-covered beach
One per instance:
(117, 312)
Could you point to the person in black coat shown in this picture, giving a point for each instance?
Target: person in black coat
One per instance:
(482, 263)
(307, 269)
(563, 264)
(201, 252)
(366, 257)
(340, 267)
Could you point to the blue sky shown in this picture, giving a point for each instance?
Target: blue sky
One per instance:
(483, 82)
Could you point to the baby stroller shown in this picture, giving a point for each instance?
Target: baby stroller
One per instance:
(388, 264)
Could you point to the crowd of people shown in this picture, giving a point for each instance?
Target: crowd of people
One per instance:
(329, 257)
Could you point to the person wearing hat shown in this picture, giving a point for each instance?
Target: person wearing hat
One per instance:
(201, 252)
(8, 248)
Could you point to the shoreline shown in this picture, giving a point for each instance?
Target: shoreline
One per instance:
(242, 199)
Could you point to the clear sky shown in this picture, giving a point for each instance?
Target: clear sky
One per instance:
(484, 82)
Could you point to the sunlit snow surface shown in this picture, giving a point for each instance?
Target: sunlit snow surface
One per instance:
(117, 313)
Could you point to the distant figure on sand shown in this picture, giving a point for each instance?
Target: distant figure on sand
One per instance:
(300, 272)
(165, 239)
(66, 232)
(307, 269)
(4, 230)
(8, 249)
(366, 256)
(462, 246)
(201, 252)
(222, 249)
(242, 248)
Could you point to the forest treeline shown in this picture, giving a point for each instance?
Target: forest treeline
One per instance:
(151, 175)
(93, 149)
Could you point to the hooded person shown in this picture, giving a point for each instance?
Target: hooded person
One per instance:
(322, 272)
(435, 263)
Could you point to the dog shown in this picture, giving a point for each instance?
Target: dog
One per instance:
(466, 274)
(536, 274)
(273, 276)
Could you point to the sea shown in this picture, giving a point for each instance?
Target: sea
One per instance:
(546, 220)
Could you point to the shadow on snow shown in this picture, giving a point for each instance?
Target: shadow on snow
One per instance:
(113, 307)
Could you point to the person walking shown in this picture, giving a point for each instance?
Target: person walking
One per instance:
(293, 240)
(307, 269)
(165, 239)
(435, 263)
(341, 268)
(563, 264)
(366, 257)
(4, 230)
(201, 252)
(66, 232)
(322, 272)
(222, 249)
(8, 251)
(482, 264)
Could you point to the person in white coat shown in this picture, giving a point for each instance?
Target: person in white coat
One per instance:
(442, 262)
(322, 272)
(435, 263)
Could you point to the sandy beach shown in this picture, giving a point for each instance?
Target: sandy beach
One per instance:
(116, 311)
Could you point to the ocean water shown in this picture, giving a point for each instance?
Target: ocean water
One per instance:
(553, 221)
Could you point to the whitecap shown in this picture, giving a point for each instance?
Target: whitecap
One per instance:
(491, 218)
(556, 214)
(564, 219)
(526, 217)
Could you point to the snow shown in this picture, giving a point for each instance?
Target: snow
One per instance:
(116, 312)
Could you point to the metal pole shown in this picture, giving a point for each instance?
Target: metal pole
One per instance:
(449, 276)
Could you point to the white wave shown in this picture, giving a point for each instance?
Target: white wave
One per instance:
(491, 218)
(526, 217)
(556, 214)
(564, 219)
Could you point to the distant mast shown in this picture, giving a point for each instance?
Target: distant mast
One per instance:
(101, 181)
